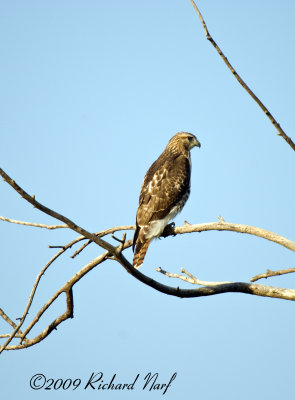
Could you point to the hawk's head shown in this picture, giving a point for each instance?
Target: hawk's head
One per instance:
(183, 142)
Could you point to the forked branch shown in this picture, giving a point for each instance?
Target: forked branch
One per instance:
(212, 288)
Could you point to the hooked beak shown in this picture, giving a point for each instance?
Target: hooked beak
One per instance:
(197, 143)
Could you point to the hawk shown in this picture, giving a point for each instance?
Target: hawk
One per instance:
(164, 192)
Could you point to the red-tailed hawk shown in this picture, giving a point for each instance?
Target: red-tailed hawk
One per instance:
(164, 192)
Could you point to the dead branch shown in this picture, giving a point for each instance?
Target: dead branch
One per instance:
(213, 288)
(233, 227)
(190, 278)
(281, 132)
(13, 221)
(270, 273)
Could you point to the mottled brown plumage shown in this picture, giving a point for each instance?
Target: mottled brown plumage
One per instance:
(164, 191)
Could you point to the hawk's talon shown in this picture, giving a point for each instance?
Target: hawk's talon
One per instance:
(168, 231)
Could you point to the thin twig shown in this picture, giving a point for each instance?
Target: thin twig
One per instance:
(14, 221)
(191, 279)
(270, 273)
(81, 248)
(281, 132)
(121, 245)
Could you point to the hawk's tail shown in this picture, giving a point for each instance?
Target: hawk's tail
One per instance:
(140, 252)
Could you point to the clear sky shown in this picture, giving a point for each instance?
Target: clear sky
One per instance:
(91, 92)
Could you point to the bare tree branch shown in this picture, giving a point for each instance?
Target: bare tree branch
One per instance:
(7, 335)
(190, 278)
(230, 226)
(13, 221)
(213, 288)
(270, 273)
(210, 288)
(281, 132)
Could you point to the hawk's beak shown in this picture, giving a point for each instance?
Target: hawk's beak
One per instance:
(197, 143)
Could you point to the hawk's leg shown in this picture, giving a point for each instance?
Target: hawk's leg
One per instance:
(169, 230)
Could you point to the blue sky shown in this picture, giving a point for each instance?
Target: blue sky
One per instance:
(91, 92)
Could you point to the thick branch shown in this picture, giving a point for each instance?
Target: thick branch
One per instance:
(230, 226)
(281, 132)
